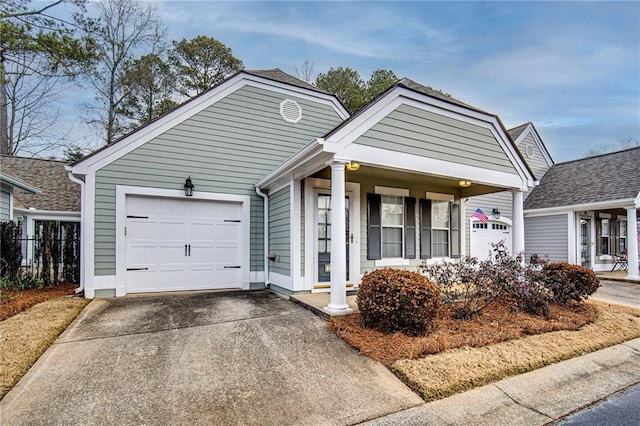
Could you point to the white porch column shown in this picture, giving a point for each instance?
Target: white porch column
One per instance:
(338, 296)
(517, 227)
(632, 244)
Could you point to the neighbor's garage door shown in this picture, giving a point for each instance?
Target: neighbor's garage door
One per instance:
(485, 234)
(177, 244)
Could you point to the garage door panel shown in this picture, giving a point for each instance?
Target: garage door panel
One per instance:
(201, 232)
(228, 232)
(156, 241)
(229, 211)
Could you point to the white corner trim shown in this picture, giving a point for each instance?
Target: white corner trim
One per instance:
(571, 238)
(602, 205)
(295, 236)
(385, 190)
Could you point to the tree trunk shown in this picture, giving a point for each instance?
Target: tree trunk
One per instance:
(4, 136)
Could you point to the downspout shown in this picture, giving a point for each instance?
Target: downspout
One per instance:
(82, 257)
(265, 197)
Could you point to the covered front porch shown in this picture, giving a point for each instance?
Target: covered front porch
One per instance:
(386, 188)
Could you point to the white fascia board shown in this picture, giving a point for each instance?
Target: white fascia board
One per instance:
(401, 96)
(44, 214)
(637, 201)
(298, 159)
(430, 166)
(601, 205)
(17, 183)
(189, 109)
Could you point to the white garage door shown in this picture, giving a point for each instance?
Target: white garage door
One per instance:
(175, 244)
(485, 234)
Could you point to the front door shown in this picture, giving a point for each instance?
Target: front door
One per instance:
(323, 235)
(585, 242)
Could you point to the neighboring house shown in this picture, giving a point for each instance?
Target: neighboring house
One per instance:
(586, 212)
(8, 185)
(290, 191)
(498, 206)
(57, 201)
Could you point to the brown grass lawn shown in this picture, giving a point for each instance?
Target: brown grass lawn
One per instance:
(470, 354)
(25, 336)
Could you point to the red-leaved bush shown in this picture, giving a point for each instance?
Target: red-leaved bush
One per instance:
(393, 300)
(569, 283)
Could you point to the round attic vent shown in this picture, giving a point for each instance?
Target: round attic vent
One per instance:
(529, 151)
(290, 111)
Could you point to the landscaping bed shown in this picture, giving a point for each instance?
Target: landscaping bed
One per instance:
(459, 356)
(13, 302)
(496, 324)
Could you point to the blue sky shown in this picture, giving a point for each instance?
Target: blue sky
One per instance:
(572, 68)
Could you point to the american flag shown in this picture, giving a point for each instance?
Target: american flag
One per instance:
(479, 214)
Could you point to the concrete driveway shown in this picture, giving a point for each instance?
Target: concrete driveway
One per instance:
(619, 292)
(205, 358)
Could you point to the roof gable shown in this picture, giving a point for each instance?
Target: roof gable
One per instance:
(606, 177)
(273, 80)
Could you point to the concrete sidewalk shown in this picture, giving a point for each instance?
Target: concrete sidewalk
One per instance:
(536, 398)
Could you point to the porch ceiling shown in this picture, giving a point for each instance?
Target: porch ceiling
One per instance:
(432, 183)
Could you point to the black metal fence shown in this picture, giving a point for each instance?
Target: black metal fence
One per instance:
(52, 256)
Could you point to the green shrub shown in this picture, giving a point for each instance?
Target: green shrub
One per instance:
(393, 300)
(569, 283)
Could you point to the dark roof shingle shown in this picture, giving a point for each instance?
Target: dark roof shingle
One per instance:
(276, 74)
(517, 131)
(58, 192)
(606, 177)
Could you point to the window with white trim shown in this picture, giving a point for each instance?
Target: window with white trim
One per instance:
(392, 225)
(440, 213)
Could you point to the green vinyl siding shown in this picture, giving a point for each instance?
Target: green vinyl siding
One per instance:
(536, 162)
(547, 237)
(226, 148)
(411, 130)
(280, 231)
(5, 202)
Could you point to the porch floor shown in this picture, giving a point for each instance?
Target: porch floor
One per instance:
(316, 301)
(615, 276)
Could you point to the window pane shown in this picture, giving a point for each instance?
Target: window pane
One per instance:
(623, 228)
(440, 214)
(391, 210)
(391, 242)
(605, 227)
(440, 243)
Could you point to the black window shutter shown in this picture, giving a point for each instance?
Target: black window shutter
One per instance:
(425, 229)
(374, 227)
(409, 228)
(454, 220)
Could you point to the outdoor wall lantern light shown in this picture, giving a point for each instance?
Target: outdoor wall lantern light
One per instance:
(352, 166)
(188, 187)
(464, 183)
(496, 213)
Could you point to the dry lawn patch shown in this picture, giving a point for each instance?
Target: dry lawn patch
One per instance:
(457, 370)
(13, 302)
(25, 336)
(496, 324)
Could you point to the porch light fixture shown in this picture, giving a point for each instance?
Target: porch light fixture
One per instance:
(188, 187)
(464, 183)
(352, 166)
(496, 213)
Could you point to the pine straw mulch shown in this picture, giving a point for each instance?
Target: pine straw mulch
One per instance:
(13, 302)
(438, 376)
(496, 324)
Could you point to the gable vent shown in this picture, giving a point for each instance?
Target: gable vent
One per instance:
(290, 111)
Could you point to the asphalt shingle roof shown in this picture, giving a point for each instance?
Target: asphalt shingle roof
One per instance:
(605, 177)
(517, 131)
(58, 192)
(276, 74)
